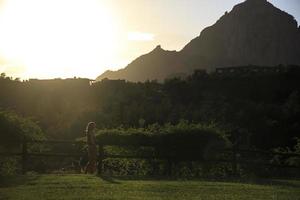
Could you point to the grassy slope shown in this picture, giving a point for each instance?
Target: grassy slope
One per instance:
(92, 187)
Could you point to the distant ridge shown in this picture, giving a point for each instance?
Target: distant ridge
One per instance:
(155, 65)
(253, 33)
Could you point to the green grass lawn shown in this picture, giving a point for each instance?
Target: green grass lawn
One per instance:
(36, 187)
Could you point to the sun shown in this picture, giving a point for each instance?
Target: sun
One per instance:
(57, 38)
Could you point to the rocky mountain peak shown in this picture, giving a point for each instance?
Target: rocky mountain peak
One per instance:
(157, 49)
(253, 33)
(257, 2)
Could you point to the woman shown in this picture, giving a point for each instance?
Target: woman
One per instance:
(92, 148)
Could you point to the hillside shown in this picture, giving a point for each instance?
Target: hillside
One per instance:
(158, 64)
(253, 33)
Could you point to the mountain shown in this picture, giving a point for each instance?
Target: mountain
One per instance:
(158, 64)
(253, 33)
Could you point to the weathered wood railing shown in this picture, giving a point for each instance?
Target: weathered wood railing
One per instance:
(25, 154)
(234, 160)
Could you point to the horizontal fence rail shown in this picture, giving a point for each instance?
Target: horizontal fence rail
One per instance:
(236, 156)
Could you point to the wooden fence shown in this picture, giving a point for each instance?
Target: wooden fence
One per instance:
(236, 155)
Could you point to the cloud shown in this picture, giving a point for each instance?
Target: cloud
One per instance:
(140, 36)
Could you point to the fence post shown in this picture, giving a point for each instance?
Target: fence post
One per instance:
(169, 167)
(234, 161)
(100, 158)
(24, 156)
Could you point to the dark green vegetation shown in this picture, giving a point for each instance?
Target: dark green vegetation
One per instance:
(250, 110)
(167, 150)
(91, 187)
(182, 134)
(13, 130)
(189, 150)
(259, 110)
(16, 128)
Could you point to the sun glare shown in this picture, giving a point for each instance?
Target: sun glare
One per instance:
(57, 38)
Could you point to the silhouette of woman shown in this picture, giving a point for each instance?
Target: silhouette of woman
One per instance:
(92, 148)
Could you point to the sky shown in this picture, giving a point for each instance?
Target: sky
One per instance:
(83, 38)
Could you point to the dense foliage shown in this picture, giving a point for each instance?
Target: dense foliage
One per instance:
(175, 150)
(181, 141)
(13, 130)
(259, 110)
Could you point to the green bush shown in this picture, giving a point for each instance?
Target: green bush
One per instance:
(291, 160)
(183, 140)
(14, 129)
(9, 166)
(179, 144)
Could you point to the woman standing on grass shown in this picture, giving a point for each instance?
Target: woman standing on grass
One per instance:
(92, 148)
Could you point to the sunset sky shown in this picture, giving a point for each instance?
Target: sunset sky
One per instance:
(83, 38)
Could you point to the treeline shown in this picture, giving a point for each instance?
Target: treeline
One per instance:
(255, 110)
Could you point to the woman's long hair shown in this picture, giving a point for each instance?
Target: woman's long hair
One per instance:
(90, 126)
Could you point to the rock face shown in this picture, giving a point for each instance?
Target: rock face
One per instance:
(253, 33)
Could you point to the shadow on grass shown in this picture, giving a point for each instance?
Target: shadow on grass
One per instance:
(108, 179)
(278, 182)
(113, 178)
(257, 181)
(13, 181)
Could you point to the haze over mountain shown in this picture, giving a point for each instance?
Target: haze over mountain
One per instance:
(253, 33)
